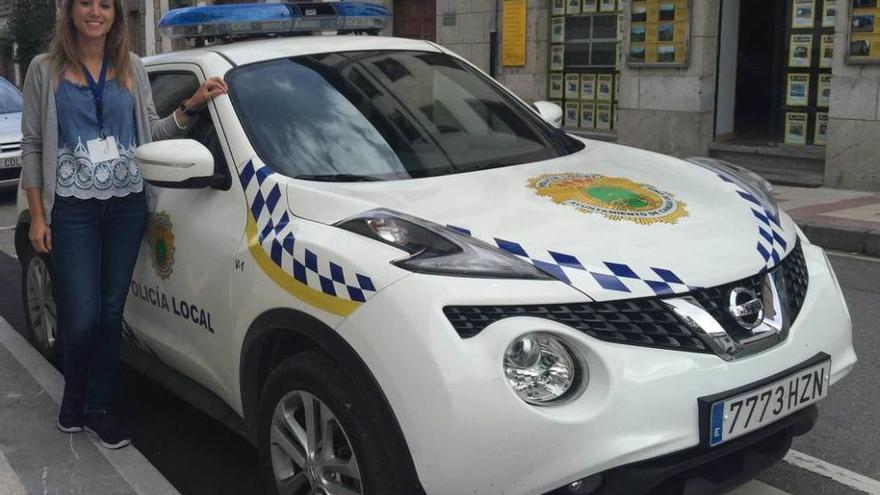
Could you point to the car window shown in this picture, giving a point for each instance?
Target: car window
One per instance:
(384, 115)
(170, 89)
(10, 97)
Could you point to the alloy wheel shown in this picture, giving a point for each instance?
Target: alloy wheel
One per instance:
(310, 451)
(41, 304)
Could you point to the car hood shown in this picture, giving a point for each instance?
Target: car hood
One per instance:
(612, 221)
(10, 127)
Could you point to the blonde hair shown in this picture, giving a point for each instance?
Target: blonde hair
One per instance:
(65, 56)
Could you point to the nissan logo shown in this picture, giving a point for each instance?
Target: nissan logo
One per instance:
(746, 308)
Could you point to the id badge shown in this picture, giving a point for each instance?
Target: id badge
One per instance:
(102, 150)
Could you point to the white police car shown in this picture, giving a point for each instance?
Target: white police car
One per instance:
(397, 278)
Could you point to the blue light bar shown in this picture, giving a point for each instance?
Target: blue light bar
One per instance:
(249, 19)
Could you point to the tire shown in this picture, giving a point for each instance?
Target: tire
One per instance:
(355, 458)
(38, 299)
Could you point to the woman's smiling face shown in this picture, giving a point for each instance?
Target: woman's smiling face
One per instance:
(93, 18)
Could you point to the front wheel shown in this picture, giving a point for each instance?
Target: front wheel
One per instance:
(316, 435)
(38, 297)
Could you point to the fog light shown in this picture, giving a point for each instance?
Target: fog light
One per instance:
(541, 369)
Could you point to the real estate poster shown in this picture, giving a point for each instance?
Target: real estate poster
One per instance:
(604, 87)
(862, 48)
(556, 83)
(591, 5)
(558, 7)
(863, 22)
(572, 86)
(572, 113)
(557, 30)
(826, 57)
(588, 87)
(637, 54)
(588, 115)
(603, 116)
(513, 46)
(796, 128)
(557, 57)
(637, 34)
(820, 136)
(666, 53)
(829, 13)
(607, 6)
(639, 12)
(797, 93)
(800, 48)
(573, 7)
(803, 13)
(666, 12)
(823, 98)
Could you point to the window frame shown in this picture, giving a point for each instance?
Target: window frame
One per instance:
(209, 112)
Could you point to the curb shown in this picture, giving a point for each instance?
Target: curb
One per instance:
(132, 466)
(830, 235)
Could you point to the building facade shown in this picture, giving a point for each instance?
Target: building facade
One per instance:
(790, 88)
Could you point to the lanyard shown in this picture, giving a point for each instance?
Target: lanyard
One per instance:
(98, 93)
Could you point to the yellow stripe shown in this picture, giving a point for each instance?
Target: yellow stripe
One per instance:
(299, 290)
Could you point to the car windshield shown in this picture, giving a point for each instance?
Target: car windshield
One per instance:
(383, 115)
(10, 98)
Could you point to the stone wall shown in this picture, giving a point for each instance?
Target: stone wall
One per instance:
(672, 110)
(464, 27)
(853, 151)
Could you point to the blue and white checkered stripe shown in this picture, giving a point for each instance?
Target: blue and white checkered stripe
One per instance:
(277, 238)
(771, 244)
(612, 276)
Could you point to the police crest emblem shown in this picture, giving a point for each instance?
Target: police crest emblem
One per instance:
(160, 239)
(616, 198)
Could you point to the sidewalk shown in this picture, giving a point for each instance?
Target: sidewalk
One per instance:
(835, 218)
(35, 458)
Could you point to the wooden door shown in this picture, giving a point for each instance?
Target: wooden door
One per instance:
(415, 19)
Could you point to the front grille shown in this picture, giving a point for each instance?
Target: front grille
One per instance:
(9, 173)
(637, 321)
(646, 321)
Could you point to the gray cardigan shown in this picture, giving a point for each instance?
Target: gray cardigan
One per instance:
(39, 124)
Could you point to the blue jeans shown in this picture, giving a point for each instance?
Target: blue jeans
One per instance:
(94, 249)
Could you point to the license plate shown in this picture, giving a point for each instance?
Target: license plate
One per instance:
(10, 162)
(736, 416)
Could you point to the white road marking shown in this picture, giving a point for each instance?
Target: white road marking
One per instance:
(836, 473)
(9, 482)
(757, 488)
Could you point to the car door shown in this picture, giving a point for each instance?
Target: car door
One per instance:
(180, 300)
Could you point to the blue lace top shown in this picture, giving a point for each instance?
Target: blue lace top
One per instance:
(77, 176)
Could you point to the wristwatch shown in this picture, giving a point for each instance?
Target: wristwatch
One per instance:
(187, 111)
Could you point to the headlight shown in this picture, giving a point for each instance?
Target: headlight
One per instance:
(748, 180)
(438, 250)
(541, 369)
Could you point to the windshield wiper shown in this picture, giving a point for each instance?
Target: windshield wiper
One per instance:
(482, 166)
(340, 178)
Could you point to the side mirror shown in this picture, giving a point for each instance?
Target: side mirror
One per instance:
(177, 163)
(551, 112)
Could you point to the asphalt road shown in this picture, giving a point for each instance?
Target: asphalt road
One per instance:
(200, 456)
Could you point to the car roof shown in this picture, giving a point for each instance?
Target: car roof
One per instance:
(257, 50)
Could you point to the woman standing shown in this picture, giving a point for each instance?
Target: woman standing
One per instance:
(87, 105)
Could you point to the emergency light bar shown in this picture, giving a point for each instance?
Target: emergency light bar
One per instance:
(253, 19)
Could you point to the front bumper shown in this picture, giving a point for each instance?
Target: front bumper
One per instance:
(701, 470)
(469, 433)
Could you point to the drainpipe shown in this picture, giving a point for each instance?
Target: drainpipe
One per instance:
(149, 28)
(493, 43)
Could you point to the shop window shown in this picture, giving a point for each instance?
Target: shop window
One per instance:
(584, 59)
